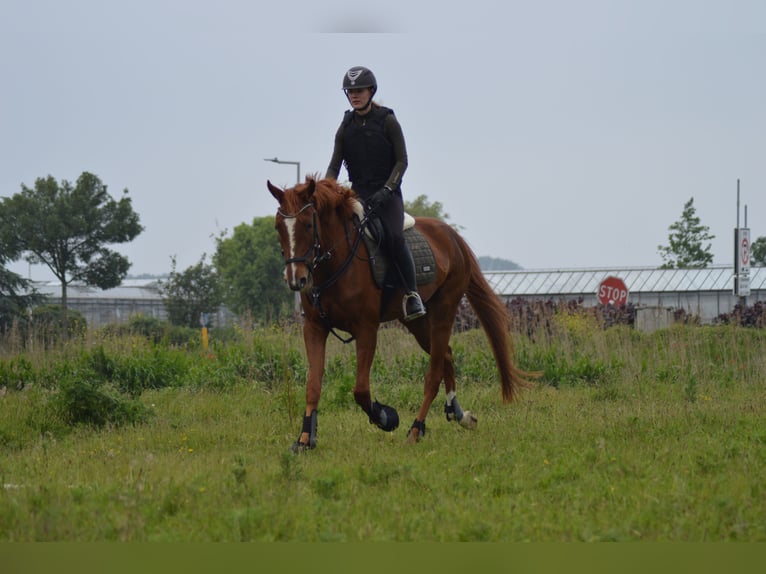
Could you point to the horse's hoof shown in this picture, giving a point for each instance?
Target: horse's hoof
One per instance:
(308, 432)
(417, 432)
(469, 421)
(384, 417)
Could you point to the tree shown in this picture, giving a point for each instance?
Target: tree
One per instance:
(188, 294)
(687, 235)
(16, 296)
(496, 264)
(251, 269)
(421, 207)
(67, 228)
(758, 252)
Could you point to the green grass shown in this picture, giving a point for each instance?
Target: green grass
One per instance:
(627, 437)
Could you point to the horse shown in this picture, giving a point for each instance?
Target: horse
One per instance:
(320, 224)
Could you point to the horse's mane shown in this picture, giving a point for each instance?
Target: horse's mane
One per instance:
(328, 194)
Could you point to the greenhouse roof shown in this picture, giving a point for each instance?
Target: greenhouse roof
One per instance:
(526, 282)
(129, 289)
(637, 279)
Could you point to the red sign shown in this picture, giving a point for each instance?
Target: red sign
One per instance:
(745, 252)
(612, 291)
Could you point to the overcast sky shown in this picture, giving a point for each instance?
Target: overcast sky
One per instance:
(557, 134)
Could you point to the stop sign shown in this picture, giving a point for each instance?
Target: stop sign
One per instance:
(612, 291)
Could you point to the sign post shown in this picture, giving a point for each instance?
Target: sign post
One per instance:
(742, 262)
(612, 291)
(204, 321)
(741, 257)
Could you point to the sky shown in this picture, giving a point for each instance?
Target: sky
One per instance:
(556, 134)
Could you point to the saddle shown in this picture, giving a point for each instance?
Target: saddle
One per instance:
(385, 275)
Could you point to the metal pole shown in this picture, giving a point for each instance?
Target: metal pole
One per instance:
(737, 203)
(297, 165)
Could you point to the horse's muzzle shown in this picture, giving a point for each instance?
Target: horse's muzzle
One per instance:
(298, 277)
(299, 284)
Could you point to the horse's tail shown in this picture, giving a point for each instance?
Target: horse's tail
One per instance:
(495, 320)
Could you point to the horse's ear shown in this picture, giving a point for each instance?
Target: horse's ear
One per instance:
(275, 191)
(310, 189)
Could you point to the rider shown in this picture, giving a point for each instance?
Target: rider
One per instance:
(371, 143)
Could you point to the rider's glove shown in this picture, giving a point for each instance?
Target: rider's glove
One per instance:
(379, 199)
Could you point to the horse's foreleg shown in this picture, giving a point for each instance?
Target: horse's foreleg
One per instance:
(315, 339)
(383, 416)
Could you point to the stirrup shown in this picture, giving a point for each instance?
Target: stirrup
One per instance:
(418, 309)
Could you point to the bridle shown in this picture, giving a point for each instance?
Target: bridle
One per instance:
(316, 248)
(315, 256)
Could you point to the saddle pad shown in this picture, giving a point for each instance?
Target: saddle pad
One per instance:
(422, 255)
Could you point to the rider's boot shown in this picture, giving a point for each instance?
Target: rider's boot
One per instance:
(412, 304)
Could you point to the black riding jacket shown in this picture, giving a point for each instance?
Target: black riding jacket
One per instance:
(373, 149)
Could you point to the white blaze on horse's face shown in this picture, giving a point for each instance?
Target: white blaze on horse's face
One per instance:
(296, 236)
(291, 269)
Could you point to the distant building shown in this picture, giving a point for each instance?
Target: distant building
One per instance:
(705, 293)
(133, 297)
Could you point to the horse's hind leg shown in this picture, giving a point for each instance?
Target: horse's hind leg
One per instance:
(434, 339)
(452, 408)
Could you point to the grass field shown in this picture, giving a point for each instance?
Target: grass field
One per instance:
(627, 437)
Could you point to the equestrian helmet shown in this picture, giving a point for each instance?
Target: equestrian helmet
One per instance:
(359, 77)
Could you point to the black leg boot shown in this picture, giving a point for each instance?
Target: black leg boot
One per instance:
(412, 305)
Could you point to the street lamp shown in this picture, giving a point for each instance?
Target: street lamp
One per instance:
(297, 164)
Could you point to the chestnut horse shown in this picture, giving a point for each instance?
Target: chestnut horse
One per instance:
(328, 263)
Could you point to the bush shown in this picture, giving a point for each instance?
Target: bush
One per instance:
(47, 325)
(16, 373)
(84, 400)
(536, 317)
(133, 373)
(744, 316)
(155, 330)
